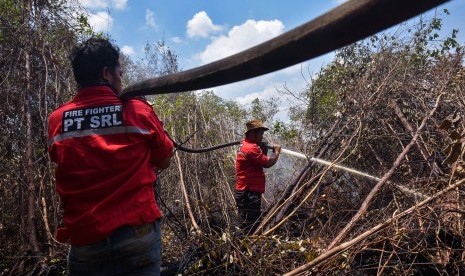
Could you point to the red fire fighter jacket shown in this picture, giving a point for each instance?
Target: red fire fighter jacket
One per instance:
(104, 148)
(250, 161)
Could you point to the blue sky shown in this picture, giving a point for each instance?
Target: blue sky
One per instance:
(202, 31)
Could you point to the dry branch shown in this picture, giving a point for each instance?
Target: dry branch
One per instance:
(296, 186)
(426, 156)
(344, 246)
(366, 203)
(186, 197)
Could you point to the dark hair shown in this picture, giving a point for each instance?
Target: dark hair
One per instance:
(90, 57)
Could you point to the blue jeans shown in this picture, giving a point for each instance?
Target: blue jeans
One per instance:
(128, 251)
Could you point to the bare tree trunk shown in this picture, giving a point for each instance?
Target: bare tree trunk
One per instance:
(29, 172)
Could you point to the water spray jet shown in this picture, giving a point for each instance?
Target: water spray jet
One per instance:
(350, 170)
(309, 159)
(330, 164)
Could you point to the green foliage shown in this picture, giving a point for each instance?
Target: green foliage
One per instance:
(427, 42)
(329, 88)
(264, 110)
(11, 13)
(83, 26)
(285, 132)
(214, 113)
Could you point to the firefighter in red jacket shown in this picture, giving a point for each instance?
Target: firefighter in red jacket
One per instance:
(106, 150)
(251, 158)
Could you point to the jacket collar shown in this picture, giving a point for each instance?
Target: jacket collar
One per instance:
(100, 90)
(249, 141)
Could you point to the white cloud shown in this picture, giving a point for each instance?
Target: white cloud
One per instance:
(101, 22)
(240, 38)
(239, 91)
(266, 93)
(150, 19)
(340, 1)
(100, 4)
(128, 50)
(176, 39)
(201, 25)
(119, 4)
(92, 4)
(265, 87)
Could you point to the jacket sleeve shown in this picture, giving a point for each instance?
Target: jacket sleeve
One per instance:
(160, 145)
(256, 156)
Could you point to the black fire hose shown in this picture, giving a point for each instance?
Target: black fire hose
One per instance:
(201, 150)
(190, 150)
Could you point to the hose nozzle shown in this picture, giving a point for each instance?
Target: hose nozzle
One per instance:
(267, 145)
